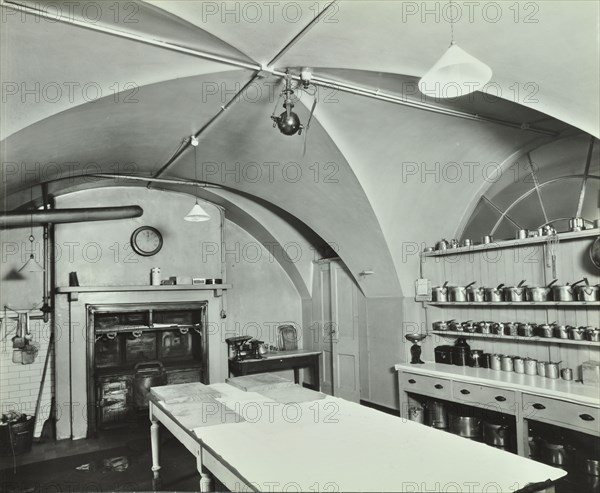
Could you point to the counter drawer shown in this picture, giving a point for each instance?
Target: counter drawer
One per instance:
(492, 398)
(561, 412)
(421, 384)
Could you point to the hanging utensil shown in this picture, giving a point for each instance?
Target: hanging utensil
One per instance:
(18, 340)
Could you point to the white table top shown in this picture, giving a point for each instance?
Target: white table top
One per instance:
(334, 445)
(564, 390)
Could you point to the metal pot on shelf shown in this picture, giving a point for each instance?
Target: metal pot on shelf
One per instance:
(565, 292)
(475, 294)
(484, 327)
(546, 330)
(514, 293)
(539, 293)
(468, 326)
(493, 294)
(511, 328)
(561, 331)
(592, 334)
(459, 293)
(577, 333)
(497, 329)
(440, 293)
(526, 330)
(456, 326)
(442, 245)
(441, 325)
(587, 292)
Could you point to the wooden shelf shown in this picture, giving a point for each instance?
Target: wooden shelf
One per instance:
(574, 235)
(547, 340)
(180, 287)
(74, 291)
(517, 304)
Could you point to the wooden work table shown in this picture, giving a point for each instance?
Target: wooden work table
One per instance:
(281, 360)
(284, 437)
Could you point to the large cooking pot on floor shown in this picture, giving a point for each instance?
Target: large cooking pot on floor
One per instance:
(437, 415)
(496, 434)
(465, 426)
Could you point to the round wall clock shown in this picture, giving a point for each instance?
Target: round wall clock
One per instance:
(146, 241)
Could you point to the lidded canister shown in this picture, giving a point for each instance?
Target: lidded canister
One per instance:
(518, 365)
(155, 276)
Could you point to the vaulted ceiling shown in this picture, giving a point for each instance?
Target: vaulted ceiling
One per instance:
(117, 86)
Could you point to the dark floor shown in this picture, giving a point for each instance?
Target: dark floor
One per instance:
(85, 465)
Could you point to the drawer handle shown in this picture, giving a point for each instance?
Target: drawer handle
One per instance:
(537, 405)
(586, 417)
(500, 398)
(412, 380)
(465, 392)
(438, 386)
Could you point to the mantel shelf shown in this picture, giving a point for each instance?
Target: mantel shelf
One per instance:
(98, 289)
(573, 235)
(546, 340)
(74, 291)
(516, 304)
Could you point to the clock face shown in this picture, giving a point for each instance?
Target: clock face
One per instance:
(146, 241)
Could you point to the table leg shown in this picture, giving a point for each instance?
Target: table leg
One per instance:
(296, 375)
(206, 479)
(317, 374)
(154, 440)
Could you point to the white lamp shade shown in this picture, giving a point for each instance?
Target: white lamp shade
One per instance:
(197, 214)
(31, 266)
(455, 74)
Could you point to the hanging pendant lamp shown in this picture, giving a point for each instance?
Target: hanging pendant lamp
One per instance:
(197, 213)
(456, 73)
(31, 265)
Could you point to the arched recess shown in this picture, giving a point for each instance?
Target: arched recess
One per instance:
(277, 245)
(548, 183)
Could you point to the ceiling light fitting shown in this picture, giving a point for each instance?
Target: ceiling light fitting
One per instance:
(456, 73)
(197, 213)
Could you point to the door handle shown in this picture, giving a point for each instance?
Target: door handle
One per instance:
(500, 398)
(438, 386)
(465, 392)
(412, 380)
(539, 406)
(586, 417)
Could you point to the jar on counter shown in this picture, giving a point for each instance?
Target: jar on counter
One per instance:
(530, 366)
(155, 276)
(507, 363)
(518, 365)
